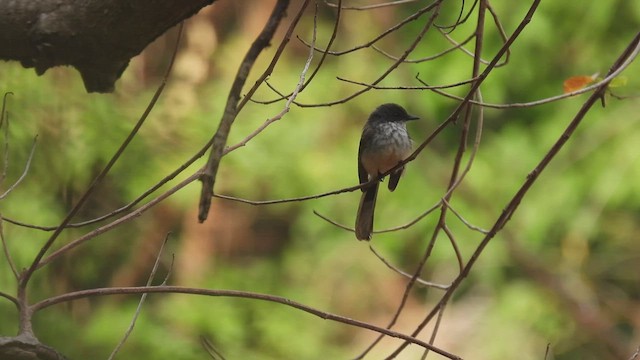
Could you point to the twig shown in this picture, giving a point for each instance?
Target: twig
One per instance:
(141, 302)
(4, 121)
(334, 33)
(132, 215)
(456, 249)
(7, 254)
(13, 299)
(547, 351)
(465, 222)
(211, 350)
(407, 275)
(424, 59)
(24, 172)
(544, 101)
(395, 27)
(378, 87)
(461, 19)
(369, 7)
(436, 11)
(435, 332)
(392, 229)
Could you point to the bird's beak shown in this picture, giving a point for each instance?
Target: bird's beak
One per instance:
(411, 117)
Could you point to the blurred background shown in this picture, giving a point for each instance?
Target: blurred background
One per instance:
(565, 271)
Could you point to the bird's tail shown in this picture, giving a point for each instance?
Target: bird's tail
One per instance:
(364, 218)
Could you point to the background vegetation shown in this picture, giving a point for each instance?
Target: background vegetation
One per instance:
(564, 272)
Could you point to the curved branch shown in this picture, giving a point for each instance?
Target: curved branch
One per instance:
(239, 294)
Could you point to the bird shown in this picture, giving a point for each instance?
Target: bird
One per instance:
(384, 143)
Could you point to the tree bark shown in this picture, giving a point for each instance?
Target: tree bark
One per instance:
(26, 348)
(97, 37)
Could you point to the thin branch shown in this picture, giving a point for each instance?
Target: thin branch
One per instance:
(405, 274)
(4, 120)
(548, 100)
(131, 216)
(7, 254)
(547, 351)
(234, 104)
(210, 349)
(424, 59)
(378, 87)
(435, 332)
(334, 33)
(412, 222)
(465, 222)
(291, 98)
(503, 34)
(235, 294)
(369, 7)
(10, 298)
(3, 112)
(395, 27)
(36, 261)
(392, 229)
(141, 302)
(456, 249)
(461, 19)
(436, 11)
(24, 172)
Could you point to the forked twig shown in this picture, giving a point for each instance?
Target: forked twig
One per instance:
(234, 104)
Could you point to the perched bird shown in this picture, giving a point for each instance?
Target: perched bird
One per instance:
(384, 143)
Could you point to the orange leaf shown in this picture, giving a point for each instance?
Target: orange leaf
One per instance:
(576, 83)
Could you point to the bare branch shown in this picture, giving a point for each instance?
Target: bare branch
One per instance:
(407, 275)
(424, 59)
(236, 294)
(234, 104)
(468, 224)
